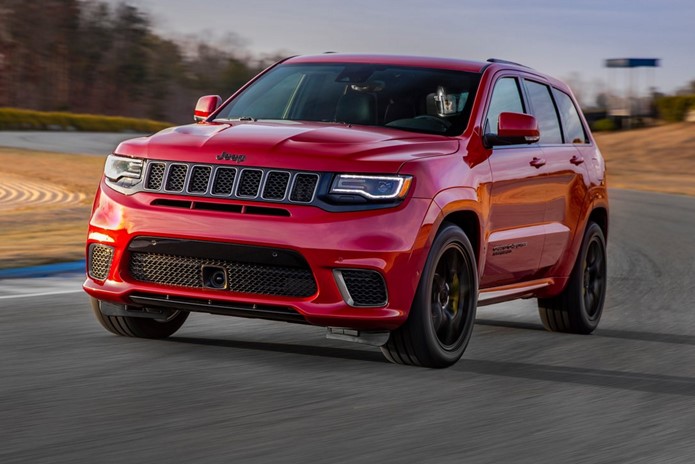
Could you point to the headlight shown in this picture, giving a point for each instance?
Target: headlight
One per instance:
(372, 187)
(119, 167)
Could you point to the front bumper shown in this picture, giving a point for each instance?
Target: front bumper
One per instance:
(392, 242)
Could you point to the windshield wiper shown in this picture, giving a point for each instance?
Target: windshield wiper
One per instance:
(241, 118)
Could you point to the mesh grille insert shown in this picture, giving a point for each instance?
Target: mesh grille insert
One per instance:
(253, 278)
(155, 176)
(100, 258)
(366, 288)
(276, 185)
(249, 183)
(176, 177)
(224, 181)
(303, 188)
(200, 177)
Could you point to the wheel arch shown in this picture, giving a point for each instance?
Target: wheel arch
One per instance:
(595, 212)
(462, 207)
(599, 215)
(468, 221)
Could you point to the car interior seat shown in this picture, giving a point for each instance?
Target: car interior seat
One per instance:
(356, 108)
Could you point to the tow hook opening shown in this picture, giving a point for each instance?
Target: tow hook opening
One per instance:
(215, 277)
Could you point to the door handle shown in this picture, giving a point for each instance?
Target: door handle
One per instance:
(577, 160)
(537, 162)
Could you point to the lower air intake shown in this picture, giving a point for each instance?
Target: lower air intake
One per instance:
(242, 277)
(362, 287)
(99, 261)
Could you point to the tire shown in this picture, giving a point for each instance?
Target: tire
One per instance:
(139, 326)
(579, 307)
(442, 315)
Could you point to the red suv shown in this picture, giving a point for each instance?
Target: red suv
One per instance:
(383, 197)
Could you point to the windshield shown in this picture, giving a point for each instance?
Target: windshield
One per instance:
(415, 99)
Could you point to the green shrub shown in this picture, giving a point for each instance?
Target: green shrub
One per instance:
(20, 119)
(674, 109)
(606, 124)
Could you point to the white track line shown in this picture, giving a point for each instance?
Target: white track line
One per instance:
(30, 295)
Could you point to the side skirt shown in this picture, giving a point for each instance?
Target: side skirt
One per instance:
(495, 295)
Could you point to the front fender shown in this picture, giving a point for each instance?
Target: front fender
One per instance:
(455, 205)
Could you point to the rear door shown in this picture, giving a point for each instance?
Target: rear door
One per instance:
(565, 173)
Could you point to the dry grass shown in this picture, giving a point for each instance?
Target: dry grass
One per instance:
(23, 119)
(660, 159)
(42, 234)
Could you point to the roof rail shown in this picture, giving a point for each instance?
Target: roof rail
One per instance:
(497, 60)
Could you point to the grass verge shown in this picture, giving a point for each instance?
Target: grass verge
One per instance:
(21, 119)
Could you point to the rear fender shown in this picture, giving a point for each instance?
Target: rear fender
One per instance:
(597, 197)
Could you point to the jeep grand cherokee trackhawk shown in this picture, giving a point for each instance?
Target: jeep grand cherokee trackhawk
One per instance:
(383, 197)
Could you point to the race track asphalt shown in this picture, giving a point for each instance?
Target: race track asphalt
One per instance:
(234, 390)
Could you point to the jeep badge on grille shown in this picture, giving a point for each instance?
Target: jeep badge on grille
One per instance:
(231, 157)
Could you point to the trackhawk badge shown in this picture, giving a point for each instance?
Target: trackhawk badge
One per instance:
(231, 157)
(506, 249)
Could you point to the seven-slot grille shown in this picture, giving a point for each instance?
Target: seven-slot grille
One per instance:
(231, 182)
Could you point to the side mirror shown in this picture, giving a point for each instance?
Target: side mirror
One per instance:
(206, 106)
(514, 129)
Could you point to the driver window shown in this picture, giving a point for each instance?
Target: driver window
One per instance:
(506, 97)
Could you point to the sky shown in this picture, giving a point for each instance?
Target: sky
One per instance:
(569, 39)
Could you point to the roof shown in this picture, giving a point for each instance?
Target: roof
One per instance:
(426, 62)
(395, 60)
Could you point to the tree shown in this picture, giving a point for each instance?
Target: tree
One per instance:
(85, 56)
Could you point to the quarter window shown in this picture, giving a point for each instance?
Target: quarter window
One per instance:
(506, 97)
(571, 122)
(545, 113)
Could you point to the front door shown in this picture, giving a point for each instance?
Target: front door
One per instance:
(517, 198)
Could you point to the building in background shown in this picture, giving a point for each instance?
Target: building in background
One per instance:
(631, 100)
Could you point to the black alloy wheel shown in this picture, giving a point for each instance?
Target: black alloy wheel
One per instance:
(442, 315)
(579, 307)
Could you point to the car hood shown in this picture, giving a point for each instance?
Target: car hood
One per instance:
(291, 145)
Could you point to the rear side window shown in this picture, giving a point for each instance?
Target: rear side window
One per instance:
(571, 122)
(545, 113)
(506, 97)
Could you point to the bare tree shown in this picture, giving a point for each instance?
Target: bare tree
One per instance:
(86, 56)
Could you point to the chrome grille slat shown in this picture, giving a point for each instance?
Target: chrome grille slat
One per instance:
(217, 181)
(176, 177)
(249, 183)
(304, 187)
(155, 176)
(275, 186)
(199, 179)
(223, 184)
